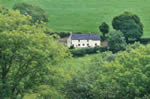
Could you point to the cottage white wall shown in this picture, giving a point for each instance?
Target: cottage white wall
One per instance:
(85, 42)
(93, 42)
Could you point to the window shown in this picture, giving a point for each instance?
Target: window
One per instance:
(87, 44)
(95, 44)
(87, 40)
(78, 44)
(78, 40)
(83, 44)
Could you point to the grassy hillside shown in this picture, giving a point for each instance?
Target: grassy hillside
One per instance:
(87, 15)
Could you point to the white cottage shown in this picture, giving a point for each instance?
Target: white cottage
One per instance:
(83, 40)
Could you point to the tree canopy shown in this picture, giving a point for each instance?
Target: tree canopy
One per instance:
(27, 54)
(129, 24)
(104, 28)
(116, 41)
(124, 75)
(37, 13)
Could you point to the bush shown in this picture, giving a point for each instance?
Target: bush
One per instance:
(90, 50)
(61, 34)
(130, 47)
(71, 47)
(78, 88)
(145, 40)
(125, 75)
(64, 34)
(78, 52)
(116, 41)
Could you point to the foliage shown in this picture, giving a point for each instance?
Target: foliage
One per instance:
(53, 83)
(104, 28)
(80, 86)
(64, 34)
(27, 54)
(89, 50)
(145, 40)
(78, 52)
(144, 97)
(72, 47)
(129, 47)
(124, 75)
(116, 41)
(61, 34)
(37, 13)
(51, 33)
(3, 10)
(129, 24)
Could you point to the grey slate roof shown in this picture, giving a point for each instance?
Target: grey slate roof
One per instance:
(85, 37)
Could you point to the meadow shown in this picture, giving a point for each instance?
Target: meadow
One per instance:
(86, 15)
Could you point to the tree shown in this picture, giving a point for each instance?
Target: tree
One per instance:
(129, 24)
(104, 28)
(27, 54)
(126, 77)
(116, 41)
(37, 13)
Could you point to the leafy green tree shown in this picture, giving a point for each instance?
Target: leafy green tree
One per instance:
(27, 55)
(104, 28)
(129, 24)
(116, 41)
(37, 13)
(125, 77)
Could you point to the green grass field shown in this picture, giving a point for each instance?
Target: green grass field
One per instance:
(86, 15)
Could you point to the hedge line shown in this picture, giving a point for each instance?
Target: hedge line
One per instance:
(142, 41)
(91, 50)
(61, 34)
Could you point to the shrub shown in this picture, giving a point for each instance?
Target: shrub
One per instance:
(116, 41)
(90, 50)
(64, 34)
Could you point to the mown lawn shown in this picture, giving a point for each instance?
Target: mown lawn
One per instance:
(86, 15)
